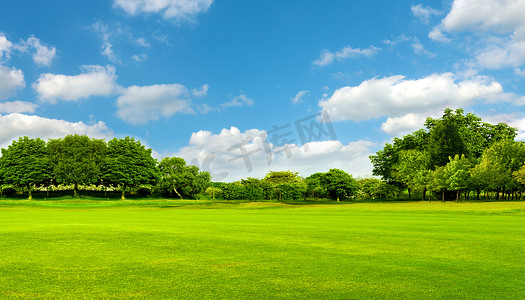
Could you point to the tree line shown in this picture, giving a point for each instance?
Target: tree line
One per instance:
(455, 157)
(77, 160)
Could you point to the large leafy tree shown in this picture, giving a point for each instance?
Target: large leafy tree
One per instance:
(457, 174)
(410, 168)
(181, 179)
(77, 159)
(280, 177)
(314, 187)
(437, 182)
(498, 163)
(444, 142)
(25, 163)
(476, 135)
(385, 160)
(339, 184)
(129, 164)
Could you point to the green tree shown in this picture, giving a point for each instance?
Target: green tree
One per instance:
(278, 177)
(181, 179)
(129, 164)
(385, 160)
(285, 185)
(213, 191)
(77, 159)
(457, 174)
(25, 163)
(375, 188)
(444, 142)
(437, 182)
(339, 184)
(498, 163)
(314, 189)
(476, 135)
(410, 168)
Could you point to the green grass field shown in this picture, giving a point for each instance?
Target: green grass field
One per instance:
(203, 249)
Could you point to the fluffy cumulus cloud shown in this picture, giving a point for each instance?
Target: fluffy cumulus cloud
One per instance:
(397, 98)
(5, 48)
(396, 126)
(11, 79)
(327, 57)
(177, 10)
(232, 155)
(499, 24)
(17, 107)
(42, 54)
(140, 104)
(93, 81)
(14, 125)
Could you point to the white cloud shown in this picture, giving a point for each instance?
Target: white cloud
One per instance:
(397, 96)
(519, 72)
(298, 98)
(139, 57)
(240, 100)
(437, 35)
(405, 102)
(177, 10)
(424, 13)
(42, 54)
(500, 25)
(10, 81)
(503, 16)
(17, 107)
(202, 92)
(400, 39)
(327, 57)
(397, 126)
(419, 49)
(220, 154)
(93, 81)
(140, 104)
(14, 125)
(107, 35)
(5, 48)
(143, 42)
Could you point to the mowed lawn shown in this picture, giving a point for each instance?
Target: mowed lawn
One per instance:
(198, 249)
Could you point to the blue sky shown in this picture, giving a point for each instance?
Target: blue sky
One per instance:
(229, 85)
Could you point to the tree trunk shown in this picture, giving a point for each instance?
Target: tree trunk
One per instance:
(497, 194)
(478, 191)
(75, 190)
(177, 192)
(29, 195)
(123, 195)
(409, 195)
(457, 195)
(442, 195)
